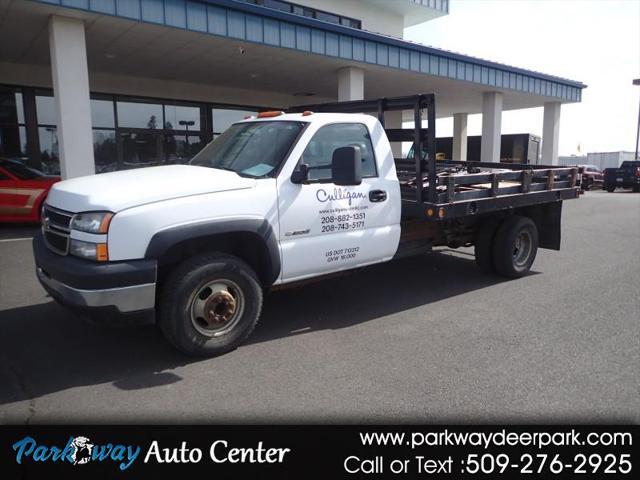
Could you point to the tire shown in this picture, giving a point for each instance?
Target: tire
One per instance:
(209, 305)
(587, 185)
(515, 246)
(610, 189)
(483, 247)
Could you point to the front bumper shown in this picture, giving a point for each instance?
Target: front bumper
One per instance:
(111, 289)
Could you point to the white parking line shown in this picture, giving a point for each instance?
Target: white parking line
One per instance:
(5, 240)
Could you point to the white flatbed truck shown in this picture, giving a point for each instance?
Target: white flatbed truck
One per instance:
(278, 199)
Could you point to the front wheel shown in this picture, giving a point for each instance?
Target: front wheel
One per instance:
(515, 246)
(209, 304)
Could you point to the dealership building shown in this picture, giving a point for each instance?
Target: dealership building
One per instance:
(97, 85)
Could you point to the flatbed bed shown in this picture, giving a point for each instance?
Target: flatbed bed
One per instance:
(461, 188)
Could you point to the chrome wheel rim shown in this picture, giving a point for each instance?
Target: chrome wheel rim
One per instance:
(216, 307)
(522, 247)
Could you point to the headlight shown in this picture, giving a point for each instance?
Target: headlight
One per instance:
(91, 251)
(92, 222)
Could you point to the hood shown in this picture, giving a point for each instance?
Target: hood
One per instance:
(116, 191)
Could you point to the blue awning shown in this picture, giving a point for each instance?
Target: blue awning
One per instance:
(265, 26)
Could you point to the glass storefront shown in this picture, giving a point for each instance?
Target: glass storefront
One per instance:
(127, 132)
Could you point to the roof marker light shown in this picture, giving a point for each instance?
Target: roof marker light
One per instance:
(275, 113)
(306, 113)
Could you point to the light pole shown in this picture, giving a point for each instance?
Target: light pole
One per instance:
(637, 82)
(186, 124)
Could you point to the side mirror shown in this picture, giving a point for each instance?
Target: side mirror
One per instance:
(300, 174)
(346, 166)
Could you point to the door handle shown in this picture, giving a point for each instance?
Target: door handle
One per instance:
(377, 196)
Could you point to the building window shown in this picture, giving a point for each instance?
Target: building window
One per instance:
(328, 17)
(221, 119)
(139, 149)
(177, 117)
(103, 121)
(47, 119)
(139, 115)
(13, 141)
(105, 150)
(308, 12)
(278, 5)
(49, 150)
(102, 114)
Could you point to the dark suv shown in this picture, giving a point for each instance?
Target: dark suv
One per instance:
(626, 175)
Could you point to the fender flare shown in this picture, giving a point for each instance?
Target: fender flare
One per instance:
(163, 240)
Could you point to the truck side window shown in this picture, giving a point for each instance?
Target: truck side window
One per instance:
(320, 149)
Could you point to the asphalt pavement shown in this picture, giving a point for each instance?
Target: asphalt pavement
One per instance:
(427, 339)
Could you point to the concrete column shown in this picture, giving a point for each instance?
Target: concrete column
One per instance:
(350, 84)
(71, 91)
(491, 126)
(393, 119)
(550, 133)
(459, 151)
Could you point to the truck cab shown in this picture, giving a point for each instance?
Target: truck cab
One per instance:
(276, 199)
(111, 242)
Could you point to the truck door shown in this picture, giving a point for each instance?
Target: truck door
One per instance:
(325, 227)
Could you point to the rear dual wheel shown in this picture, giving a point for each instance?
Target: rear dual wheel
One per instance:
(507, 248)
(484, 244)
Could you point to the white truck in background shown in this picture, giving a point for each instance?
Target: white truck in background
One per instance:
(274, 200)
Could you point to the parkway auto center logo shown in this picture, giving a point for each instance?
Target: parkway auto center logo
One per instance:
(78, 450)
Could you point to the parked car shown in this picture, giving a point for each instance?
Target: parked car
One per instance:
(22, 191)
(626, 175)
(592, 177)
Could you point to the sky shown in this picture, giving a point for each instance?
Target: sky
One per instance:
(596, 42)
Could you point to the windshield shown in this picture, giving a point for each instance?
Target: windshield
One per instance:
(253, 149)
(20, 171)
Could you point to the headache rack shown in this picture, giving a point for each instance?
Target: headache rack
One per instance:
(445, 189)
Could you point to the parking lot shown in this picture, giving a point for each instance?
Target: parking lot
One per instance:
(426, 339)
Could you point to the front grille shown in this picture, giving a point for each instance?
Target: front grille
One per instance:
(58, 219)
(56, 227)
(57, 243)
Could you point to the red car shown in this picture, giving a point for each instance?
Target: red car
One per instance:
(592, 177)
(22, 191)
